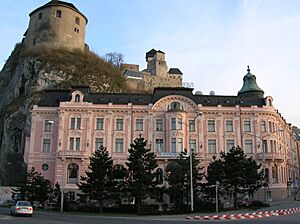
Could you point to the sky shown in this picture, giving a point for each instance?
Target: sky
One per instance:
(211, 42)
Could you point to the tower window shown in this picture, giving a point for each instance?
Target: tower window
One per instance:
(40, 15)
(58, 13)
(76, 30)
(77, 98)
(77, 21)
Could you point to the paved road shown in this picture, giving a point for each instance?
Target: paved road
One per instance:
(46, 218)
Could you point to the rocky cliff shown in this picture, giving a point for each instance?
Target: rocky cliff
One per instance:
(24, 76)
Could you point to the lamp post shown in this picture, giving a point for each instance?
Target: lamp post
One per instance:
(63, 172)
(191, 162)
(261, 138)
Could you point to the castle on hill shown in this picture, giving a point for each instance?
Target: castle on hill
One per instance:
(59, 24)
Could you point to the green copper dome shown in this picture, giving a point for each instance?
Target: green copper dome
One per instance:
(250, 87)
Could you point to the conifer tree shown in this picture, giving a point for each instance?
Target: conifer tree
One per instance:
(141, 165)
(34, 188)
(236, 173)
(98, 182)
(178, 177)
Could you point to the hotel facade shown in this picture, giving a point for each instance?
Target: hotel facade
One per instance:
(67, 126)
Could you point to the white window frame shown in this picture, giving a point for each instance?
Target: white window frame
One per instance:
(119, 124)
(99, 123)
(46, 148)
(139, 124)
(119, 145)
(211, 126)
(211, 146)
(248, 146)
(229, 125)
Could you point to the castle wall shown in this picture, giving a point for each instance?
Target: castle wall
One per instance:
(48, 28)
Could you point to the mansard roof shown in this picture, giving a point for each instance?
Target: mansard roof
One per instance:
(175, 71)
(52, 98)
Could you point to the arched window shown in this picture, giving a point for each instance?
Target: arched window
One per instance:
(77, 98)
(77, 21)
(58, 13)
(119, 172)
(40, 15)
(175, 106)
(159, 176)
(73, 169)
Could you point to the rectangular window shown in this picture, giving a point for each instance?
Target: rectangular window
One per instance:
(173, 123)
(77, 146)
(273, 145)
(211, 125)
(139, 124)
(212, 146)
(229, 144)
(98, 143)
(173, 145)
(47, 145)
(119, 145)
(192, 145)
(119, 125)
(265, 145)
(179, 145)
(73, 122)
(159, 125)
(248, 146)
(58, 14)
(159, 145)
(263, 126)
(179, 124)
(191, 125)
(99, 123)
(247, 126)
(229, 126)
(71, 144)
(47, 126)
(78, 125)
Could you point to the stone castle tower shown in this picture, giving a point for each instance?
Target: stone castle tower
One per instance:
(155, 75)
(56, 24)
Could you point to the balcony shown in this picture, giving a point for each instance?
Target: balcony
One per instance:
(270, 156)
(73, 154)
(168, 154)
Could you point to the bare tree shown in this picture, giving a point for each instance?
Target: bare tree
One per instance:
(114, 58)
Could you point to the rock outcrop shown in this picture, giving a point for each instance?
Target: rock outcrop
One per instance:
(24, 76)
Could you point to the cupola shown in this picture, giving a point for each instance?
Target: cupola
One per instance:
(250, 87)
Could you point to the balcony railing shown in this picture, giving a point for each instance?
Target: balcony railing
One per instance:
(270, 155)
(72, 154)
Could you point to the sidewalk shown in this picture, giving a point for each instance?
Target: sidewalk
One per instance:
(279, 207)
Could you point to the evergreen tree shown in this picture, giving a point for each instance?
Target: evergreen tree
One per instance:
(141, 165)
(98, 182)
(34, 188)
(236, 173)
(179, 180)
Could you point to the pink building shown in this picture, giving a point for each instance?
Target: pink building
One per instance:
(69, 125)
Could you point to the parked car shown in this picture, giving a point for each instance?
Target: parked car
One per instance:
(22, 208)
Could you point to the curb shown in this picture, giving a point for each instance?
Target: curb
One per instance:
(252, 215)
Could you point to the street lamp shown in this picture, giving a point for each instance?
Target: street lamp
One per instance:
(63, 171)
(261, 138)
(191, 162)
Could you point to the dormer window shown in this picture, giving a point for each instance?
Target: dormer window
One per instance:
(58, 13)
(77, 98)
(175, 106)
